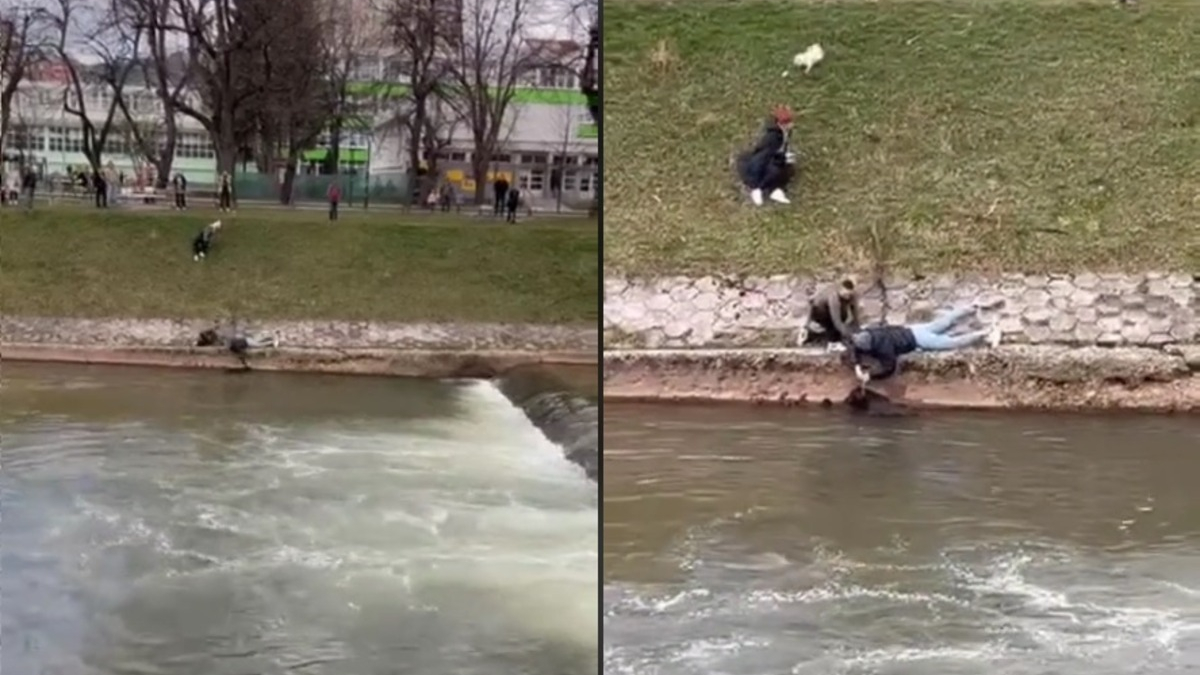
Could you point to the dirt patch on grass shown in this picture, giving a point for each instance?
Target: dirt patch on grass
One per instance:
(996, 136)
(297, 265)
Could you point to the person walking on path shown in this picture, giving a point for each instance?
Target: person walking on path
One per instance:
(179, 183)
(335, 197)
(225, 192)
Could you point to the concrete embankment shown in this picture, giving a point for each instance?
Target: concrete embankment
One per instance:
(1011, 377)
(549, 372)
(567, 418)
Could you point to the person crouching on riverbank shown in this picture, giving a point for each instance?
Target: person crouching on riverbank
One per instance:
(767, 169)
(239, 345)
(833, 315)
(886, 344)
(202, 244)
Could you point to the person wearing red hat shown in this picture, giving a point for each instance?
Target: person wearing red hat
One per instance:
(767, 168)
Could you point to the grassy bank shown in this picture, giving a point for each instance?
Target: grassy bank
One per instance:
(294, 264)
(1020, 135)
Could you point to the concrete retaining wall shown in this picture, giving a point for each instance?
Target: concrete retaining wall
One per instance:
(1082, 309)
(300, 334)
(566, 418)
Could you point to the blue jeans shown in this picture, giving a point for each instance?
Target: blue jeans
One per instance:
(931, 336)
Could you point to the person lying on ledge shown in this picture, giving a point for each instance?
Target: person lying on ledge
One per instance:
(833, 315)
(886, 344)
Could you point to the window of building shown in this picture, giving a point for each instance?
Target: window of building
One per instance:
(458, 156)
(28, 138)
(73, 141)
(585, 182)
(502, 158)
(533, 158)
(591, 161)
(57, 139)
(568, 184)
(537, 180)
(556, 77)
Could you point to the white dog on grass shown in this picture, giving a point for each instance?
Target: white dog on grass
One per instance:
(809, 58)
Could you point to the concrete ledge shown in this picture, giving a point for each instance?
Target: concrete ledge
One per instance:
(1013, 377)
(404, 363)
(567, 419)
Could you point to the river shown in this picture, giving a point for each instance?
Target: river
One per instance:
(767, 540)
(207, 523)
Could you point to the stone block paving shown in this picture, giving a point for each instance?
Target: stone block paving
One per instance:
(1150, 309)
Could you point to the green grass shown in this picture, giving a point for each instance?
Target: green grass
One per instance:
(272, 263)
(976, 136)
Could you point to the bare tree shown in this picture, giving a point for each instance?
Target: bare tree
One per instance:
(489, 62)
(221, 38)
(294, 102)
(19, 25)
(116, 57)
(352, 35)
(423, 34)
(166, 71)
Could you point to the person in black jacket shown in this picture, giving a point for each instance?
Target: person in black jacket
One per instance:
(768, 168)
(886, 344)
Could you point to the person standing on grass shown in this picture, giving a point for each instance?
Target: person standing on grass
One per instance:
(513, 201)
(335, 196)
(225, 192)
(101, 187)
(500, 191)
(29, 187)
(179, 183)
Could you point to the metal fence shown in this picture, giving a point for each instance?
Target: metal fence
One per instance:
(357, 189)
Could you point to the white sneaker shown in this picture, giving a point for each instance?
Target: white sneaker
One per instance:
(778, 196)
(835, 347)
(801, 336)
(994, 337)
(756, 197)
(196, 258)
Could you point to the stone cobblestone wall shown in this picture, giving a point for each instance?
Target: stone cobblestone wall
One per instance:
(298, 334)
(1081, 309)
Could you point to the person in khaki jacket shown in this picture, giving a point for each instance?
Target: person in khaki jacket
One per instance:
(834, 314)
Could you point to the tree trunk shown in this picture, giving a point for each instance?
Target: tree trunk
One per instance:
(333, 157)
(165, 158)
(479, 167)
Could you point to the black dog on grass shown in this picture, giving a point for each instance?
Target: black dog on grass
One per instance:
(203, 242)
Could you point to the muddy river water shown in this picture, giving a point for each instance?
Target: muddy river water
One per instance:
(166, 522)
(765, 541)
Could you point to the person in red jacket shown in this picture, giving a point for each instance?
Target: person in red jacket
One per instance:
(335, 196)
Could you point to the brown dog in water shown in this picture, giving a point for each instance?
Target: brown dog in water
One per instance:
(866, 401)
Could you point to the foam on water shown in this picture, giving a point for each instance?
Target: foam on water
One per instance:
(1006, 604)
(474, 519)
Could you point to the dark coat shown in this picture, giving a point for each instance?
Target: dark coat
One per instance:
(770, 153)
(888, 344)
